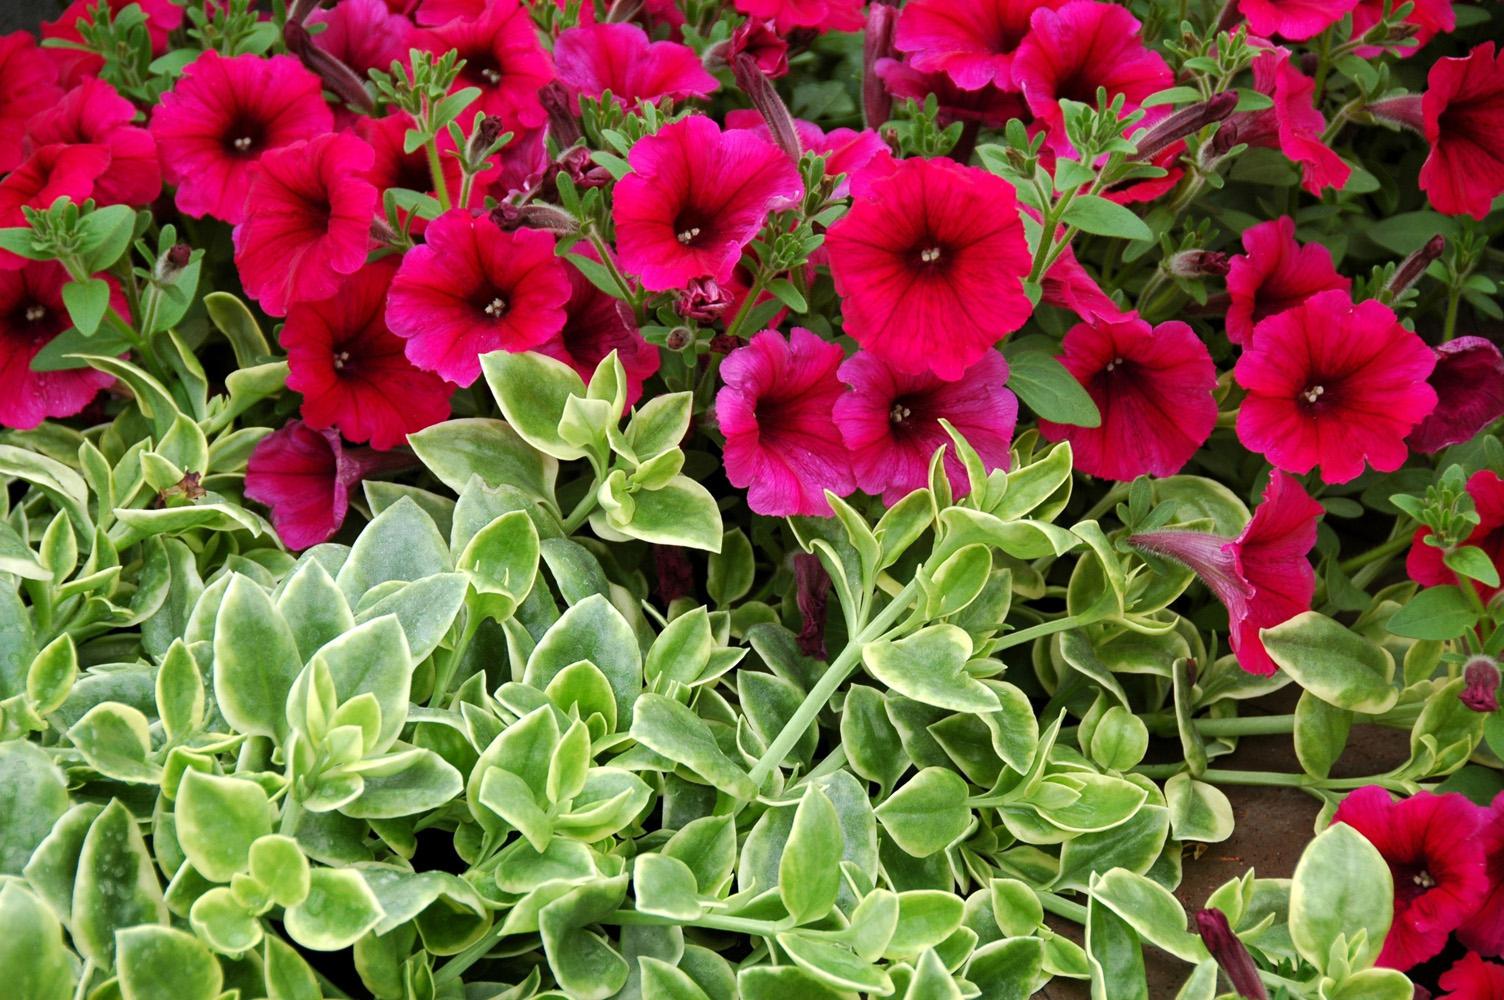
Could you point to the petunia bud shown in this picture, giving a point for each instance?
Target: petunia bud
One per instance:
(173, 261)
(1413, 266)
(1469, 383)
(338, 77)
(576, 161)
(563, 114)
(486, 134)
(537, 215)
(703, 299)
(1404, 110)
(1480, 692)
(1199, 263)
(764, 96)
(877, 44)
(1231, 955)
(678, 338)
(1186, 122)
(812, 592)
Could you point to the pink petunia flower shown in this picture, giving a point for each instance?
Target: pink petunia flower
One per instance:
(502, 57)
(1436, 857)
(761, 41)
(1471, 978)
(891, 422)
(472, 288)
(1484, 930)
(362, 34)
(1293, 125)
(1428, 18)
(312, 221)
(1296, 20)
(351, 369)
(31, 314)
(1425, 563)
(214, 125)
(93, 112)
(49, 173)
(971, 41)
(620, 58)
(846, 151)
(1275, 273)
(1469, 384)
(30, 86)
(1070, 52)
(1463, 117)
(305, 477)
(775, 409)
(596, 325)
(1333, 384)
(695, 198)
(1153, 388)
(930, 262)
(1067, 285)
(1263, 577)
(822, 15)
(990, 105)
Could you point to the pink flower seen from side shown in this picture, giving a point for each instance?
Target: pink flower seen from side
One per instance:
(971, 41)
(1275, 273)
(619, 57)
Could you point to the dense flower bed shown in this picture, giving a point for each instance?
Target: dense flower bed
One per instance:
(694, 499)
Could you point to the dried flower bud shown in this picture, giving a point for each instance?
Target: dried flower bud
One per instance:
(764, 96)
(1469, 384)
(725, 343)
(1199, 263)
(577, 163)
(877, 103)
(1186, 121)
(173, 261)
(1231, 955)
(563, 114)
(490, 129)
(812, 593)
(678, 338)
(704, 300)
(1481, 685)
(1413, 266)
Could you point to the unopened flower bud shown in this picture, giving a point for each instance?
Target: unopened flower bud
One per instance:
(338, 77)
(1480, 692)
(1199, 263)
(877, 44)
(764, 96)
(812, 593)
(703, 299)
(486, 133)
(563, 114)
(535, 215)
(678, 338)
(1413, 266)
(1403, 110)
(1231, 954)
(1186, 121)
(173, 261)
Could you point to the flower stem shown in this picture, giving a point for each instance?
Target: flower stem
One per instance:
(1378, 553)
(436, 169)
(1074, 912)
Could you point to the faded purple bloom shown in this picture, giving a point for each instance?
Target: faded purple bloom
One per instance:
(703, 299)
(1481, 677)
(1469, 384)
(1231, 955)
(812, 594)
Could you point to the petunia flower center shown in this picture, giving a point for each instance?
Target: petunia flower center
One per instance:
(1115, 364)
(929, 255)
(688, 236)
(1424, 880)
(1313, 394)
(35, 313)
(244, 138)
(899, 413)
(496, 308)
(340, 360)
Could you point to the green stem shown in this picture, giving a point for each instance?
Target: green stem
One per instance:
(583, 509)
(1073, 912)
(736, 925)
(1275, 779)
(445, 675)
(617, 278)
(1037, 631)
(1243, 725)
(292, 814)
(759, 283)
(1454, 299)
(826, 686)
(436, 170)
(1378, 553)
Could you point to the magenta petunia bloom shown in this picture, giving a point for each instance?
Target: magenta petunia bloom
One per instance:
(1275, 273)
(620, 58)
(695, 198)
(1153, 388)
(1463, 115)
(890, 421)
(990, 105)
(1471, 978)
(1333, 384)
(31, 314)
(1425, 563)
(1293, 125)
(311, 223)
(362, 34)
(1469, 384)
(30, 86)
(351, 369)
(49, 173)
(472, 288)
(930, 263)
(1067, 285)
(502, 57)
(597, 324)
(1434, 852)
(761, 41)
(1428, 18)
(1296, 20)
(1484, 930)
(305, 476)
(1263, 577)
(222, 115)
(1070, 52)
(93, 112)
(782, 444)
(971, 41)
(823, 15)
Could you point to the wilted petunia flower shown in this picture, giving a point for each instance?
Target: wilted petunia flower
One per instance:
(1469, 384)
